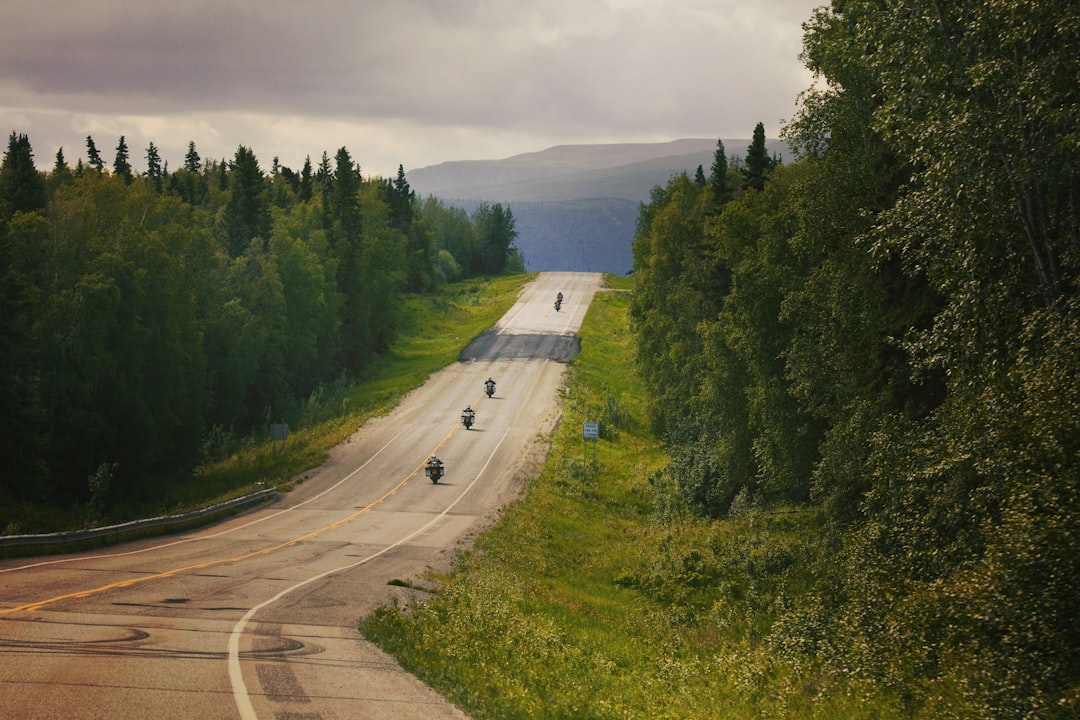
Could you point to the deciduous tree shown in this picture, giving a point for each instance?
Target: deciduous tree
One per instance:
(495, 236)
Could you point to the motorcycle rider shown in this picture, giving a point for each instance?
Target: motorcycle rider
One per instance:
(489, 386)
(468, 416)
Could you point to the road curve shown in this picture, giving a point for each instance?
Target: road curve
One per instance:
(256, 617)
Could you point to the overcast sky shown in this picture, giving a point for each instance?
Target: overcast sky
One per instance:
(411, 82)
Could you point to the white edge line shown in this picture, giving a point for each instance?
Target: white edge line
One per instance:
(236, 677)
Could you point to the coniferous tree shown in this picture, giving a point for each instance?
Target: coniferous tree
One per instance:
(153, 167)
(325, 173)
(699, 176)
(345, 219)
(324, 176)
(758, 162)
(716, 278)
(291, 178)
(222, 172)
(93, 157)
(22, 188)
(247, 212)
(720, 192)
(304, 192)
(61, 174)
(121, 166)
(400, 198)
(343, 205)
(192, 161)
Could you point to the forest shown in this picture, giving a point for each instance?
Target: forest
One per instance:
(888, 330)
(883, 331)
(151, 319)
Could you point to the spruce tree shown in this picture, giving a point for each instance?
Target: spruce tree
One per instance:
(153, 167)
(93, 157)
(222, 172)
(61, 173)
(400, 198)
(305, 192)
(247, 213)
(719, 190)
(699, 176)
(758, 162)
(325, 174)
(344, 217)
(22, 188)
(121, 166)
(192, 161)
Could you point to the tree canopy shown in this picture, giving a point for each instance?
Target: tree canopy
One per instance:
(145, 314)
(895, 309)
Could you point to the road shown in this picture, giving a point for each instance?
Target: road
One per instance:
(256, 617)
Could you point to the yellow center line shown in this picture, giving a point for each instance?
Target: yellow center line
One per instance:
(37, 605)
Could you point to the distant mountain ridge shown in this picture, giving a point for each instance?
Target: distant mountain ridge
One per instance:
(575, 206)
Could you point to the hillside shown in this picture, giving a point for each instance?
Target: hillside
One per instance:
(575, 205)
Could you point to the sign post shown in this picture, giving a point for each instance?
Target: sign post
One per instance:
(589, 431)
(279, 432)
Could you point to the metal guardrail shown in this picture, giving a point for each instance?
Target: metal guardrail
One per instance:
(75, 536)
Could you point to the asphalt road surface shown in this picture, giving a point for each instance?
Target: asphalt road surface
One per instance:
(256, 617)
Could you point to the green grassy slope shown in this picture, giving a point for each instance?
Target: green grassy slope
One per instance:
(594, 597)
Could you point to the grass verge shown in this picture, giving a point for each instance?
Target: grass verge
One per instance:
(436, 328)
(594, 597)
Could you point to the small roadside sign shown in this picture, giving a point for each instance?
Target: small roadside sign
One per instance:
(589, 431)
(279, 433)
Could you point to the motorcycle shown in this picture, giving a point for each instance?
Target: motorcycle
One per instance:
(558, 301)
(489, 387)
(468, 417)
(434, 469)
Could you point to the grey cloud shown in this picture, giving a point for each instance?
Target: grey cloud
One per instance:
(561, 68)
